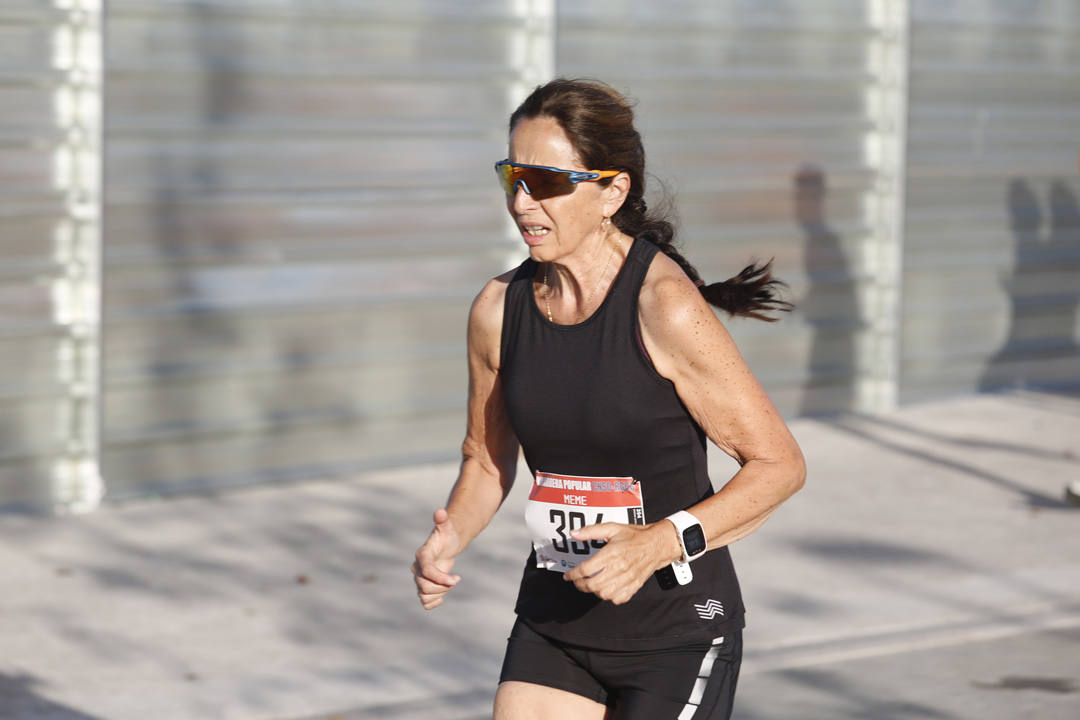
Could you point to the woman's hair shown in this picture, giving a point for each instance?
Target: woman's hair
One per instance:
(600, 124)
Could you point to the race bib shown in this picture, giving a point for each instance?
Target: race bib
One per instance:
(559, 504)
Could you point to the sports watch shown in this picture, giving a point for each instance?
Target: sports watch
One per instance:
(692, 539)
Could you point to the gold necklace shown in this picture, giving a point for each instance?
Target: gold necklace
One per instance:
(588, 298)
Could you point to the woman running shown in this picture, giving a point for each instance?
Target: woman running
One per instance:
(601, 358)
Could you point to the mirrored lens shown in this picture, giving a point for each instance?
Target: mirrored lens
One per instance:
(505, 173)
(539, 183)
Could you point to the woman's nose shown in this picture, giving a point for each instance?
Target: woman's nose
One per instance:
(522, 199)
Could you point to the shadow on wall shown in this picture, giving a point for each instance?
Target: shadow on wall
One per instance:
(223, 373)
(169, 407)
(1043, 291)
(18, 699)
(830, 305)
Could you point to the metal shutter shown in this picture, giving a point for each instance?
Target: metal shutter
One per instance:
(757, 117)
(992, 253)
(301, 209)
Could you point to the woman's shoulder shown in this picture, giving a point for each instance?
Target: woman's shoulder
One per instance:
(486, 313)
(678, 326)
(667, 293)
(493, 294)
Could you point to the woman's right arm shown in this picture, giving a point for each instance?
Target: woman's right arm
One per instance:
(489, 454)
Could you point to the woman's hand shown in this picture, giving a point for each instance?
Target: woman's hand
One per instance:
(435, 560)
(631, 554)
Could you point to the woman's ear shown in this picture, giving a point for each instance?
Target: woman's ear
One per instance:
(615, 193)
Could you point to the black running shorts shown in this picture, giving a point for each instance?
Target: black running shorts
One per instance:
(692, 682)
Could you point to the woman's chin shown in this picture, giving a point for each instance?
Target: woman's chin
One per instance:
(539, 253)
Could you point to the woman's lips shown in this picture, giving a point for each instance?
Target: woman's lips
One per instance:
(534, 234)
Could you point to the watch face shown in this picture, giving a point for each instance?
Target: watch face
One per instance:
(694, 539)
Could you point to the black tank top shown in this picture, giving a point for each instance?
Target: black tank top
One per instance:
(585, 400)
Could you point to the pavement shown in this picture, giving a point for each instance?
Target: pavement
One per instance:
(929, 569)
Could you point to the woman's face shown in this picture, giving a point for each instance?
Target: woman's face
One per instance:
(555, 227)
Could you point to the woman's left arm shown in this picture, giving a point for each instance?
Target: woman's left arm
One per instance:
(691, 347)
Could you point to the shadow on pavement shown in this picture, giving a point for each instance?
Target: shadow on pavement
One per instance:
(879, 561)
(966, 442)
(472, 705)
(19, 699)
(847, 700)
(872, 552)
(320, 572)
(1032, 498)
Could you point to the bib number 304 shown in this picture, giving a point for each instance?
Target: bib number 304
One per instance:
(566, 522)
(560, 504)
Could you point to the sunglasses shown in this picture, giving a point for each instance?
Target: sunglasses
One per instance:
(543, 182)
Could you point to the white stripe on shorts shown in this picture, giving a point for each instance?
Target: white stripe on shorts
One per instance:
(703, 674)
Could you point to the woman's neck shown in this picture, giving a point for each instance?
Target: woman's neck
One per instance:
(574, 286)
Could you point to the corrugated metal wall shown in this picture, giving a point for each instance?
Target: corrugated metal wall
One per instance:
(992, 249)
(29, 210)
(757, 117)
(301, 207)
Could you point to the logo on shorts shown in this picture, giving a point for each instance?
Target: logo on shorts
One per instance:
(710, 609)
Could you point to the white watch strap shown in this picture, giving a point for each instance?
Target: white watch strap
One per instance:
(683, 573)
(682, 520)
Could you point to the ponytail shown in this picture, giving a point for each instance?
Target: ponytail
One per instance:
(754, 292)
